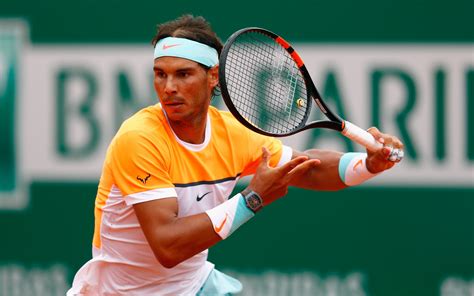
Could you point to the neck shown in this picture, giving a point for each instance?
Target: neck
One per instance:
(192, 132)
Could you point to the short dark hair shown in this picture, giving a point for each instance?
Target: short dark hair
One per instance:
(194, 28)
(189, 27)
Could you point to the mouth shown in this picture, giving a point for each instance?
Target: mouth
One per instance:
(172, 101)
(173, 105)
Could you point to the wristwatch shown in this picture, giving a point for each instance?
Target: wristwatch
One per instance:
(253, 200)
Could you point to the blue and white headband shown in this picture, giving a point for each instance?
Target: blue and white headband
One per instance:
(186, 49)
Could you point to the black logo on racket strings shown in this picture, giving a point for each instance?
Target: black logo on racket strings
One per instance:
(144, 180)
(198, 197)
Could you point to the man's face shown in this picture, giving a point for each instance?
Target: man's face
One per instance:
(184, 88)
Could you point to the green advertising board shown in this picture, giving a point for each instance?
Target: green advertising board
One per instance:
(70, 73)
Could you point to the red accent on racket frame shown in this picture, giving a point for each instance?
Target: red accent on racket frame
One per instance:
(297, 59)
(293, 53)
(282, 42)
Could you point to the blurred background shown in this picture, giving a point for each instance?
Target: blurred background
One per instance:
(71, 72)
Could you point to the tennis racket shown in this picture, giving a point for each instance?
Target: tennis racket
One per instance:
(266, 86)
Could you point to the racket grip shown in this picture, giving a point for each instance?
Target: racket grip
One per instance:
(360, 136)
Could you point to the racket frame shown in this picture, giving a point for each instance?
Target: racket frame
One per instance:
(335, 122)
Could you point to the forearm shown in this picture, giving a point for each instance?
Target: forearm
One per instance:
(325, 176)
(174, 239)
(183, 238)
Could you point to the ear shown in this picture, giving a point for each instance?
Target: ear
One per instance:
(213, 75)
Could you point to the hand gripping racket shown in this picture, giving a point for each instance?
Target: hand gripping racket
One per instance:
(266, 86)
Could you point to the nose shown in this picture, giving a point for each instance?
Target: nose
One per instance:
(170, 86)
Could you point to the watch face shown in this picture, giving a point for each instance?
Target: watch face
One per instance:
(254, 202)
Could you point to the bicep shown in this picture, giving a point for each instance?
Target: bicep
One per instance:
(155, 215)
(174, 239)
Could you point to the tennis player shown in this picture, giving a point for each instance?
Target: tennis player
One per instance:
(164, 197)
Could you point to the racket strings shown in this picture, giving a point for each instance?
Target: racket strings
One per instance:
(265, 84)
(266, 51)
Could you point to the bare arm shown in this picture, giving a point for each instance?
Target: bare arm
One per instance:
(325, 176)
(174, 239)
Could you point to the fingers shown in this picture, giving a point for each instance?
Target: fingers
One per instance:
(393, 147)
(396, 155)
(296, 166)
(272, 183)
(284, 169)
(386, 139)
(375, 133)
(302, 168)
(265, 156)
(385, 155)
(295, 162)
(377, 162)
(390, 153)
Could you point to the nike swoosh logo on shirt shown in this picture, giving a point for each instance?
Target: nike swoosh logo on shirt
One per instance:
(198, 198)
(219, 228)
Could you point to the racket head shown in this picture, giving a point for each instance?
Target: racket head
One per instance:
(264, 83)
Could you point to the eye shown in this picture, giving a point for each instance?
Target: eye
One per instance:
(160, 74)
(183, 74)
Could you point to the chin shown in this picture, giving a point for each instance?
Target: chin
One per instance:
(177, 116)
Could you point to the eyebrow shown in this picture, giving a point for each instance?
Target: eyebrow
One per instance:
(155, 68)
